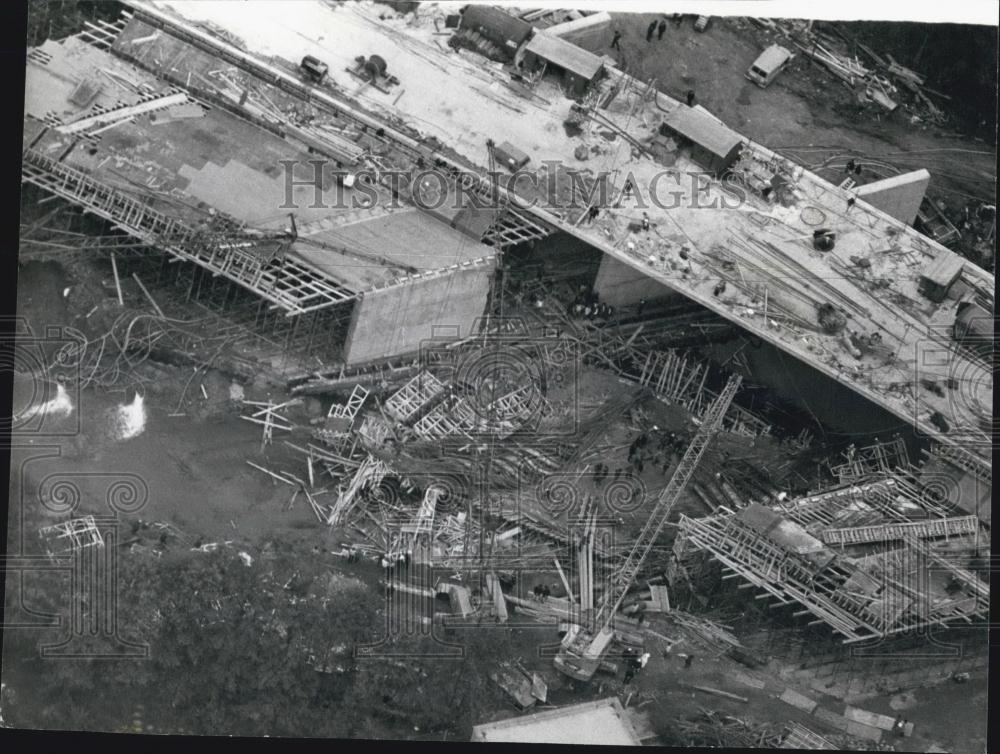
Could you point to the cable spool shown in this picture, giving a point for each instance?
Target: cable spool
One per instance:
(376, 66)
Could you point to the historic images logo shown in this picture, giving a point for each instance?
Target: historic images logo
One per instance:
(46, 375)
(81, 548)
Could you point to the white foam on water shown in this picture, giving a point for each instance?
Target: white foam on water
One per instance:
(60, 406)
(130, 418)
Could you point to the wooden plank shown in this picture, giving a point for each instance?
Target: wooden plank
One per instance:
(747, 680)
(723, 694)
(872, 719)
(149, 296)
(801, 701)
(562, 577)
(118, 285)
(860, 730)
(660, 597)
(113, 116)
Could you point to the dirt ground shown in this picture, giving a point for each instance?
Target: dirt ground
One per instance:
(805, 107)
(194, 465)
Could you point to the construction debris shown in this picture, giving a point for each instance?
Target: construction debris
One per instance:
(470, 385)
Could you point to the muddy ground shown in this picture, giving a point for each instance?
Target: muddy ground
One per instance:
(805, 107)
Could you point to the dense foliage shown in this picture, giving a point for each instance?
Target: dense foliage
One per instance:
(268, 648)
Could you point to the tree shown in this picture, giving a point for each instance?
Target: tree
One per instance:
(232, 652)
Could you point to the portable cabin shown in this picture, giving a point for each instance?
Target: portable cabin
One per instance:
(711, 144)
(940, 275)
(580, 69)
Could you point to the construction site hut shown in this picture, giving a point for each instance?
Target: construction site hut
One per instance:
(579, 68)
(499, 27)
(711, 144)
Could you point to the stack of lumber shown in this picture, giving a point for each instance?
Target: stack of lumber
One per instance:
(847, 69)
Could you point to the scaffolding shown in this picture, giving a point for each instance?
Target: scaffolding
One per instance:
(882, 591)
(672, 375)
(935, 528)
(255, 263)
(963, 459)
(870, 460)
(71, 536)
(448, 418)
(512, 228)
(417, 393)
(369, 473)
(800, 737)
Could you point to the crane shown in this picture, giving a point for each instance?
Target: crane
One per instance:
(582, 649)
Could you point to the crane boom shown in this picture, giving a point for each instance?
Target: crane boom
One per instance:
(583, 647)
(625, 575)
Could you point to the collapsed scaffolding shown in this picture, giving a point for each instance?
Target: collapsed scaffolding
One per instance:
(230, 303)
(868, 560)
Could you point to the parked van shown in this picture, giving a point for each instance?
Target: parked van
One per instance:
(314, 68)
(770, 63)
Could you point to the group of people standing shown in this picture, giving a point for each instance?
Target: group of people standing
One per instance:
(588, 305)
(541, 592)
(668, 446)
(655, 27)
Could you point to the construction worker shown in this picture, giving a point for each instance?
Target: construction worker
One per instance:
(629, 673)
(650, 31)
(640, 615)
(631, 665)
(660, 28)
(616, 41)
